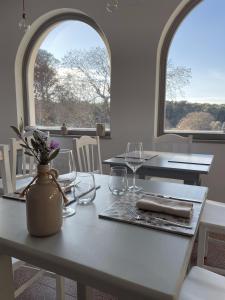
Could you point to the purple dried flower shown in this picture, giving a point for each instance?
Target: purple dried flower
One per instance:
(54, 145)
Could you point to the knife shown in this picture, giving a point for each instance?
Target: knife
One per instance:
(172, 197)
(81, 195)
(188, 162)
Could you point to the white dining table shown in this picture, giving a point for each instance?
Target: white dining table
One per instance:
(128, 261)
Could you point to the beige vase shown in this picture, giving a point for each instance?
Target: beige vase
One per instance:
(44, 205)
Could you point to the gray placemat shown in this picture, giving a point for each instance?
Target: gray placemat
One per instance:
(132, 155)
(124, 210)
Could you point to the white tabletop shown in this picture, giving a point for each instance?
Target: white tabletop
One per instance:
(126, 260)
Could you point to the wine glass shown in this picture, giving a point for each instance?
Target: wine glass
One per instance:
(134, 160)
(64, 164)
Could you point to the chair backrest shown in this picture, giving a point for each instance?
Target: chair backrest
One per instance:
(22, 166)
(88, 153)
(5, 169)
(172, 143)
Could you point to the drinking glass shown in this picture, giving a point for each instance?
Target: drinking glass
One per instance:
(134, 160)
(85, 192)
(118, 180)
(64, 164)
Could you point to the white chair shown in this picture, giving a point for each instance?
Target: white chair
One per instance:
(201, 284)
(16, 264)
(88, 154)
(9, 188)
(22, 172)
(171, 143)
(212, 220)
(6, 183)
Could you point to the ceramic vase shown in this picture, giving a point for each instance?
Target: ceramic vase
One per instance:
(43, 205)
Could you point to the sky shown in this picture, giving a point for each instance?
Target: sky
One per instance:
(198, 44)
(69, 35)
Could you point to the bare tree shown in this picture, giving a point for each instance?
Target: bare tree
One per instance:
(92, 67)
(45, 76)
(177, 78)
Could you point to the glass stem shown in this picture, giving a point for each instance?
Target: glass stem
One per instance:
(134, 177)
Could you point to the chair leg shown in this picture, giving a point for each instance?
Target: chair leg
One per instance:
(201, 245)
(206, 244)
(28, 283)
(60, 288)
(6, 278)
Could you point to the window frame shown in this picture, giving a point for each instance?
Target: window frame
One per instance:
(25, 64)
(198, 136)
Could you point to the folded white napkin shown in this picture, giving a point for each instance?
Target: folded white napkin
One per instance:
(167, 206)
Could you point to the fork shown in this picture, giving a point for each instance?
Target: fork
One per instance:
(166, 222)
(148, 219)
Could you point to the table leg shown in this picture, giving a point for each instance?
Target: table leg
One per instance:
(6, 278)
(60, 288)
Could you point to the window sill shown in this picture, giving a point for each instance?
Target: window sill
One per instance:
(69, 135)
(76, 133)
(216, 137)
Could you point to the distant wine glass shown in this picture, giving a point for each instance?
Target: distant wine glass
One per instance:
(64, 164)
(134, 160)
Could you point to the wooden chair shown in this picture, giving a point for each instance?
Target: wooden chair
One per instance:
(171, 143)
(201, 284)
(6, 183)
(88, 154)
(212, 221)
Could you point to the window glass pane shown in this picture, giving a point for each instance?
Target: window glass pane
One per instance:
(195, 78)
(72, 78)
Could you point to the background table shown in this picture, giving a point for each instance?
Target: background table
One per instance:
(161, 166)
(126, 260)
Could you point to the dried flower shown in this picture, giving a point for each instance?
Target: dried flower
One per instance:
(54, 145)
(38, 146)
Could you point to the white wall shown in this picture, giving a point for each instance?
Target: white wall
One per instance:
(133, 32)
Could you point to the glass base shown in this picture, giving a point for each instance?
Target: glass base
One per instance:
(68, 212)
(134, 189)
(116, 192)
(85, 201)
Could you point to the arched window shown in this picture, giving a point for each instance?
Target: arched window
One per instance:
(192, 82)
(67, 70)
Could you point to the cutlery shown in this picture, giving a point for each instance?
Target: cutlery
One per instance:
(83, 194)
(166, 222)
(187, 162)
(171, 197)
(67, 189)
